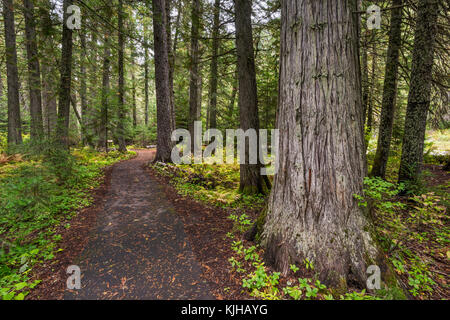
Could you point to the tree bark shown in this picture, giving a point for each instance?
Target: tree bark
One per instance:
(34, 73)
(214, 61)
(120, 130)
(312, 212)
(133, 89)
(103, 128)
(194, 70)
(251, 181)
(49, 71)
(14, 122)
(389, 92)
(65, 81)
(83, 88)
(419, 91)
(171, 62)
(164, 112)
(146, 95)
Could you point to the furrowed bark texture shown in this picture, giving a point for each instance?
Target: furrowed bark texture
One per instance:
(14, 122)
(389, 92)
(164, 111)
(65, 81)
(194, 86)
(312, 212)
(251, 181)
(212, 119)
(34, 72)
(120, 130)
(419, 91)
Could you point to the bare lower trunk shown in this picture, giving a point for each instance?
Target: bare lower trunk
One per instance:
(103, 127)
(120, 130)
(389, 93)
(164, 112)
(212, 121)
(65, 82)
(83, 88)
(251, 181)
(194, 70)
(312, 212)
(419, 91)
(34, 73)
(14, 122)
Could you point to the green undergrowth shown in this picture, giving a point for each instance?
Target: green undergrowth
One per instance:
(261, 282)
(37, 195)
(414, 233)
(214, 184)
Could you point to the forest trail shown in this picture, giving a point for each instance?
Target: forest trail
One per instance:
(138, 248)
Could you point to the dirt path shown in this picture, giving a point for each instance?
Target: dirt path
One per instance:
(138, 248)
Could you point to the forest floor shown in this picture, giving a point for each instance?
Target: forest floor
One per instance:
(131, 244)
(148, 236)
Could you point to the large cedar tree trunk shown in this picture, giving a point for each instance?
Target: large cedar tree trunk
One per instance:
(312, 212)
(419, 91)
(163, 112)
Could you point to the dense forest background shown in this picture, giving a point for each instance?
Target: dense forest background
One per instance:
(215, 60)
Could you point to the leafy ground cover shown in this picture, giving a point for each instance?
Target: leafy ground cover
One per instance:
(37, 195)
(412, 230)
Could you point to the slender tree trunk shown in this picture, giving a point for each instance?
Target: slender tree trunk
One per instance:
(133, 80)
(65, 81)
(419, 90)
(312, 213)
(171, 62)
(251, 181)
(120, 132)
(365, 78)
(371, 99)
(83, 88)
(164, 112)
(92, 129)
(389, 92)
(14, 122)
(49, 71)
(194, 70)
(103, 128)
(146, 95)
(213, 79)
(34, 73)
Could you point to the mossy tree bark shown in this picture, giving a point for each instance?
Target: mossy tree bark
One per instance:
(34, 73)
(419, 91)
(62, 129)
(389, 92)
(312, 212)
(14, 122)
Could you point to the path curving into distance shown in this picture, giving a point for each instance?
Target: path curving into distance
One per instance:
(138, 248)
